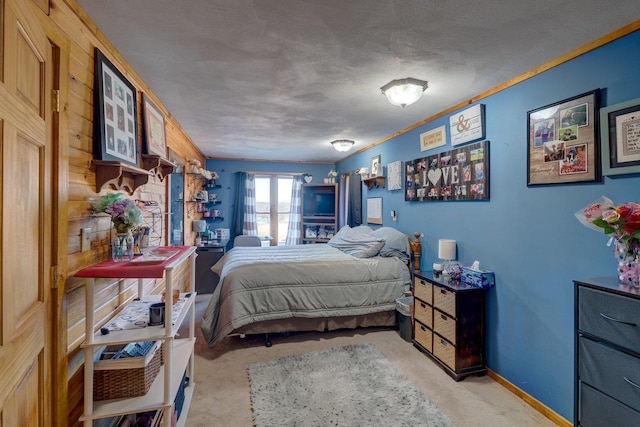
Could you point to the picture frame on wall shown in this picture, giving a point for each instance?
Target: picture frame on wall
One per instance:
(376, 166)
(563, 145)
(374, 210)
(155, 141)
(116, 117)
(454, 175)
(620, 138)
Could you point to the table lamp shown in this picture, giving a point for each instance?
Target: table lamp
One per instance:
(199, 226)
(446, 252)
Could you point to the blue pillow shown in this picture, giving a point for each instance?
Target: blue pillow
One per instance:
(395, 243)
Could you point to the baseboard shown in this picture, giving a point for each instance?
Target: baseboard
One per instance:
(531, 401)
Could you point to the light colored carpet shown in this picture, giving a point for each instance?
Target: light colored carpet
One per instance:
(222, 399)
(353, 385)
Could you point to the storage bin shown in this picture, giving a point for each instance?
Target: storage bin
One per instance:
(122, 376)
(479, 278)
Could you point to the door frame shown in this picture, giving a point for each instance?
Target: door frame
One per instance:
(60, 53)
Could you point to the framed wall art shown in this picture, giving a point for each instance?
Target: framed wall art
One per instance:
(468, 125)
(154, 129)
(116, 125)
(433, 138)
(459, 174)
(376, 166)
(620, 138)
(374, 210)
(394, 175)
(562, 141)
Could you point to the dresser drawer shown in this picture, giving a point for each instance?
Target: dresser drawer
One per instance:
(445, 351)
(605, 369)
(598, 410)
(422, 290)
(423, 336)
(445, 300)
(423, 313)
(611, 317)
(444, 325)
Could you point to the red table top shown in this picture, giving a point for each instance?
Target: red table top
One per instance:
(132, 270)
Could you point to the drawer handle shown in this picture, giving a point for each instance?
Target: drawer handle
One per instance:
(423, 305)
(443, 292)
(631, 382)
(443, 317)
(424, 329)
(422, 283)
(444, 343)
(617, 320)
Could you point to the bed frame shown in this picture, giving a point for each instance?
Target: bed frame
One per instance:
(297, 324)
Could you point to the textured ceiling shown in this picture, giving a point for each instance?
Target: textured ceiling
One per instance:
(280, 79)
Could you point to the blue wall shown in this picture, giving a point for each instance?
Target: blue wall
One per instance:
(528, 236)
(226, 169)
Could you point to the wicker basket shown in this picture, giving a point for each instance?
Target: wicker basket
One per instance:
(118, 380)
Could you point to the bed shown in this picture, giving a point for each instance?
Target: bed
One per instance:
(351, 281)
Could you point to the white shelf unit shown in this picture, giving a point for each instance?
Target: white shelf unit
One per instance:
(178, 355)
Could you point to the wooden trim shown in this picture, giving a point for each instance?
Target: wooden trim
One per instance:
(273, 161)
(530, 400)
(619, 33)
(274, 173)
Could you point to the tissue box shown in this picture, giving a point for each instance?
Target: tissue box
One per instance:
(480, 278)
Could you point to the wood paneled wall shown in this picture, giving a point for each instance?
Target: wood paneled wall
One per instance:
(68, 21)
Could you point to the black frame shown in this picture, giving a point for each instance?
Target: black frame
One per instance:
(116, 114)
(573, 157)
(613, 163)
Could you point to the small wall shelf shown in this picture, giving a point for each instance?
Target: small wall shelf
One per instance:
(374, 182)
(157, 165)
(119, 176)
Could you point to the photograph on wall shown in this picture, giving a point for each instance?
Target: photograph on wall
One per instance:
(459, 174)
(562, 141)
(115, 116)
(467, 125)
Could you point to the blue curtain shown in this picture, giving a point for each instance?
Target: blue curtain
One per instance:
(237, 220)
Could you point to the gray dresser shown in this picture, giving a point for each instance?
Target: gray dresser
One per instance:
(607, 390)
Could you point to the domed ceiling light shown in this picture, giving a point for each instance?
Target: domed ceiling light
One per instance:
(404, 92)
(342, 144)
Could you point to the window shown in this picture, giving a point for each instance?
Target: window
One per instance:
(273, 206)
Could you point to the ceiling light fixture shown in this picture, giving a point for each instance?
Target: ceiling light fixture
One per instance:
(342, 144)
(404, 92)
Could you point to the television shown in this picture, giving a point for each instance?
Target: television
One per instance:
(318, 204)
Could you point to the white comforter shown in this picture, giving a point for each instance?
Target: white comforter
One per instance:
(309, 281)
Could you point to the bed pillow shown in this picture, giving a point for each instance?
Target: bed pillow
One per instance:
(355, 243)
(395, 243)
(364, 229)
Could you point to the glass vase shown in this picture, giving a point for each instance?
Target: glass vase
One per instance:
(629, 270)
(122, 247)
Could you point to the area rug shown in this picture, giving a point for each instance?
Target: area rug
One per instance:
(355, 385)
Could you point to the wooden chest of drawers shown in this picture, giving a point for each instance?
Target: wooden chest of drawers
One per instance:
(607, 390)
(449, 324)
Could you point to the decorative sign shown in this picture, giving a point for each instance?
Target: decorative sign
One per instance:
(467, 125)
(460, 174)
(433, 138)
(394, 175)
